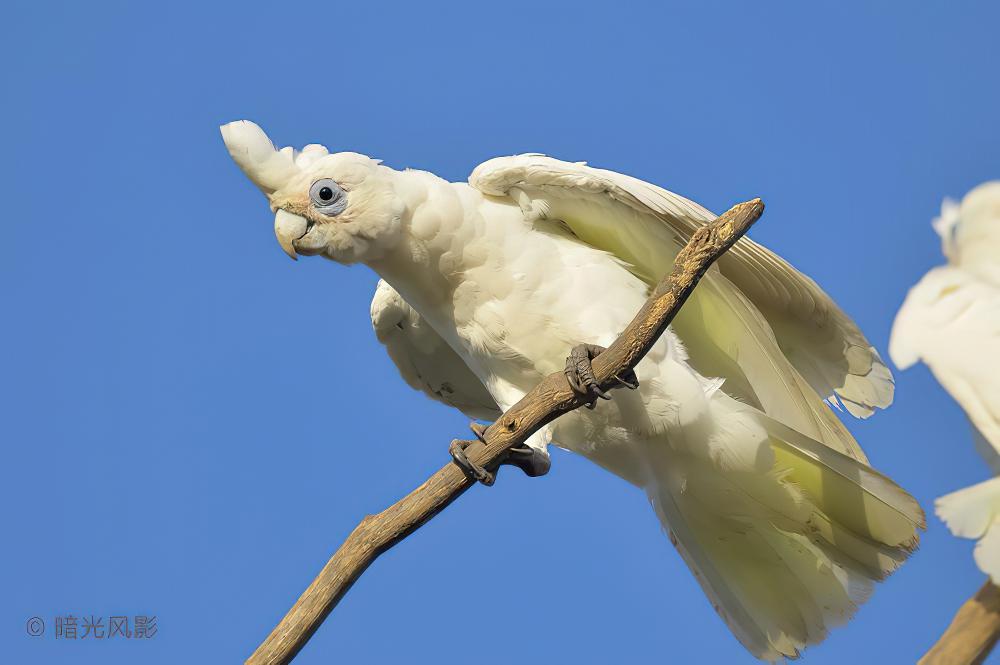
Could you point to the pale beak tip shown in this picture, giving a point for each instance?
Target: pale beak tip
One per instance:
(288, 228)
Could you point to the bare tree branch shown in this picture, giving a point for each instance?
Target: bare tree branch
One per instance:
(546, 402)
(972, 633)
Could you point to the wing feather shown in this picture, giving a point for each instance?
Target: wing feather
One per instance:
(823, 344)
(424, 359)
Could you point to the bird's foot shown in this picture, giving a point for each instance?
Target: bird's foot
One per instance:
(472, 471)
(580, 374)
(532, 461)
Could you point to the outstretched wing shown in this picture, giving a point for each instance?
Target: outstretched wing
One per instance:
(951, 321)
(749, 315)
(424, 359)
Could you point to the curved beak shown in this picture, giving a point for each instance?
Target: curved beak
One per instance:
(289, 228)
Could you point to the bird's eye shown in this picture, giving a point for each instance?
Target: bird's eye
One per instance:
(327, 197)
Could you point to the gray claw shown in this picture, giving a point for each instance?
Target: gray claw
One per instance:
(630, 381)
(479, 430)
(472, 471)
(580, 374)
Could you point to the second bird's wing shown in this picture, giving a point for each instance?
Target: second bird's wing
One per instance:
(425, 360)
(951, 321)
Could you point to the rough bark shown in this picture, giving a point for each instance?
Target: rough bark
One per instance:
(546, 402)
(972, 633)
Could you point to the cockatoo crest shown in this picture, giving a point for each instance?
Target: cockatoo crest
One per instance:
(945, 226)
(266, 166)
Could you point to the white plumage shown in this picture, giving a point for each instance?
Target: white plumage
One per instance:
(424, 359)
(767, 496)
(951, 321)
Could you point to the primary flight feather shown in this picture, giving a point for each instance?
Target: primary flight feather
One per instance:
(487, 286)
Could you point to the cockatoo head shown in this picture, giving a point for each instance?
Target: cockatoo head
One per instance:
(341, 205)
(970, 231)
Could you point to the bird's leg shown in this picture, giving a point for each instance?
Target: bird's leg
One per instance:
(532, 461)
(580, 374)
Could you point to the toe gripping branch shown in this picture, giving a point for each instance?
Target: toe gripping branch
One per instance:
(580, 374)
(533, 462)
(472, 471)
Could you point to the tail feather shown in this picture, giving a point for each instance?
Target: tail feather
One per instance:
(712, 573)
(854, 494)
(785, 555)
(874, 560)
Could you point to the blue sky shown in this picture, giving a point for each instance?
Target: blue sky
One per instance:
(192, 423)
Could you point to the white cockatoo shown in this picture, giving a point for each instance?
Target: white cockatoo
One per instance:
(951, 321)
(488, 285)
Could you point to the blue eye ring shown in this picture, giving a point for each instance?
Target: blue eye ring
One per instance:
(327, 197)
